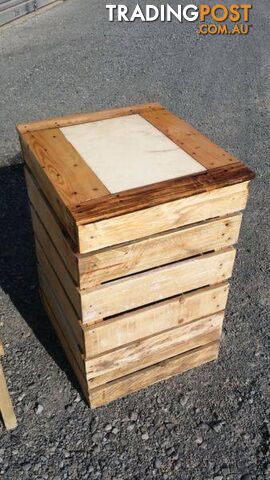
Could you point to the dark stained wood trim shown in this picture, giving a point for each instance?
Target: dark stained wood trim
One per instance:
(158, 193)
(197, 145)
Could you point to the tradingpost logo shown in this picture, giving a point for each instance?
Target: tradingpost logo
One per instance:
(217, 19)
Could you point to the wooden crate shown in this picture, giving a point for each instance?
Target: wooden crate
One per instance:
(135, 215)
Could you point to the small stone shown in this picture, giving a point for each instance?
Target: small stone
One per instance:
(115, 430)
(21, 397)
(145, 436)
(158, 463)
(130, 427)
(108, 427)
(134, 417)
(204, 427)
(218, 477)
(183, 401)
(246, 476)
(39, 409)
(170, 451)
(199, 440)
(96, 437)
(217, 427)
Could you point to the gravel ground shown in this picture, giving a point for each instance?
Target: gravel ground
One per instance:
(209, 424)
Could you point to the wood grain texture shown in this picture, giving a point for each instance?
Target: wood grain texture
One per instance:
(55, 260)
(186, 137)
(48, 272)
(66, 347)
(155, 348)
(71, 177)
(76, 344)
(144, 288)
(52, 195)
(77, 118)
(150, 320)
(61, 241)
(6, 408)
(163, 217)
(160, 193)
(110, 263)
(161, 371)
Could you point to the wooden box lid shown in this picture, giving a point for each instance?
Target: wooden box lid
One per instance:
(99, 165)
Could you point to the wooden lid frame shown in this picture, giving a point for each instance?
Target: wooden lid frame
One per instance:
(77, 194)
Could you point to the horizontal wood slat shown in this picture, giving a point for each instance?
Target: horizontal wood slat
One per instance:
(153, 349)
(147, 321)
(54, 230)
(168, 247)
(192, 141)
(151, 286)
(163, 217)
(66, 347)
(161, 371)
(77, 118)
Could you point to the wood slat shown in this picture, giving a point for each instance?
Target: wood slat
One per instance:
(186, 137)
(76, 344)
(68, 351)
(161, 371)
(6, 408)
(158, 250)
(160, 193)
(153, 349)
(157, 284)
(77, 118)
(71, 177)
(49, 220)
(163, 217)
(53, 196)
(57, 263)
(56, 286)
(147, 321)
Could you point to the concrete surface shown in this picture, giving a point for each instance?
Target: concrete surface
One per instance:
(212, 423)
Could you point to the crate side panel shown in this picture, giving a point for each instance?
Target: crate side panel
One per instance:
(161, 371)
(164, 217)
(157, 284)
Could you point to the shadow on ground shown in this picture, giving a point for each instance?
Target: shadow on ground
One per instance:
(18, 273)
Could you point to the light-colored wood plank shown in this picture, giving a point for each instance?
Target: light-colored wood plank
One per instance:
(52, 195)
(1, 349)
(66, 347)
(161, 371)
(77, 118)
(153, 220)
(49, 220)
(154, 358)
(153, 349)
(144, 288)
(56, 261)
(193, 142)
(71, 177)
(63, 322)
(6, 408)
(147, 321)
(67, 307)
(158, 250)
(128, 152)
